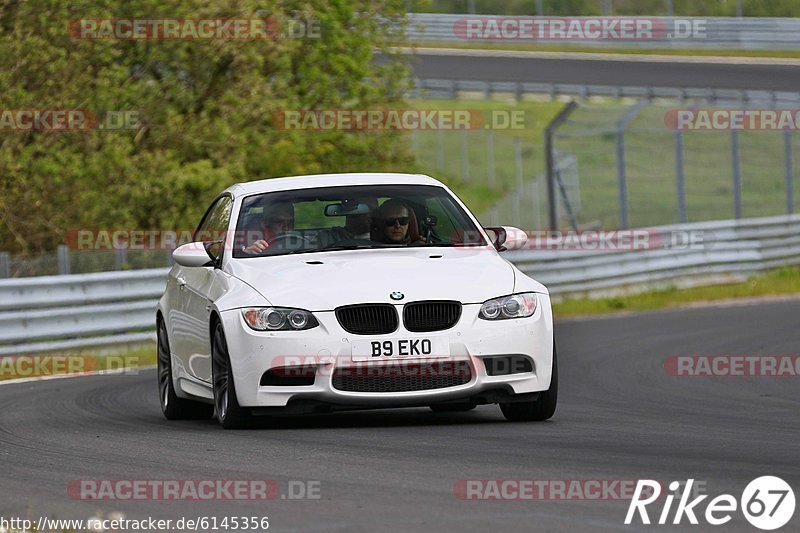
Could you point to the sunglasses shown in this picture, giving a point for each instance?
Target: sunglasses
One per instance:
(403, 221)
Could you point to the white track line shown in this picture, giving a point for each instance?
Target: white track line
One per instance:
(76, 375)
(597, 56)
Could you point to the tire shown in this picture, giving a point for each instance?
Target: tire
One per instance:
(229, 413)
(174, 408)
(452, 408)
(541, 409)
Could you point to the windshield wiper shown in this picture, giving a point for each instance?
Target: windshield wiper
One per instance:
(334, 247)
(448, 245)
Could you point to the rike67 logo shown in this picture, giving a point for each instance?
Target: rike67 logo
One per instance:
(767, 503)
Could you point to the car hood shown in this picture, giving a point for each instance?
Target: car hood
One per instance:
(323, 281)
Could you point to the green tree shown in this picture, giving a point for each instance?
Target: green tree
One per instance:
(206, 109)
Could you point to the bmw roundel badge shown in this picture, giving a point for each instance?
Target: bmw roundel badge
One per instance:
(397, 295)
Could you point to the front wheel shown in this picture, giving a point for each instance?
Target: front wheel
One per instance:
(229, 413)
(541, 409)
(174, 408)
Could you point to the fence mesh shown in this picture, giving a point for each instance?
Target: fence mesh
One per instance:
(651, 168)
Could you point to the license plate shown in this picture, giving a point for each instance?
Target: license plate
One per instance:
(422, 348)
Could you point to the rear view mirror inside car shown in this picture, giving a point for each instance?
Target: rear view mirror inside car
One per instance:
(346, 208)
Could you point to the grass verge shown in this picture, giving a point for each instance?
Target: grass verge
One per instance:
(783, 281)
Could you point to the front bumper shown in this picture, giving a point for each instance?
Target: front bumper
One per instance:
(329, 347)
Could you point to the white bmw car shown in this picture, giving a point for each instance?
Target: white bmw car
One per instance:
(351, 291)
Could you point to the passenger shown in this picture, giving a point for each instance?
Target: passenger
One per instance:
(396, 223)
(278, 218)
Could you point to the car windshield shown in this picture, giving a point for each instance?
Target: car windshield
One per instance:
(351, 217)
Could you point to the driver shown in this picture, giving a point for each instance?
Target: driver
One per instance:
(278, 218)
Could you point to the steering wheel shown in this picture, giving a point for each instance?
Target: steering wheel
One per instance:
(281, 240)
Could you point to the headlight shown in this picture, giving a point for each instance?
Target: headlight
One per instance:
(278, 319)
(515, 306)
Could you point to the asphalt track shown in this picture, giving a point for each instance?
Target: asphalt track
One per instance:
(634, 73)
(621, 416)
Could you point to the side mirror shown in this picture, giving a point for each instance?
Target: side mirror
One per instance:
(193, 254)
(507, 238)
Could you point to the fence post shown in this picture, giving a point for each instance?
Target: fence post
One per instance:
(63, 259)
(5, 265)
(464, 156)
(680, 182)
(622, 179)
(737, 175)
(490, 159)
(518, 181)
(550, 159)
(787, 147)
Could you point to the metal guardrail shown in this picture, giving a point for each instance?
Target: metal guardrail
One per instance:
(452, 89)
(749, 33)
(731, 251)
(77, 311)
